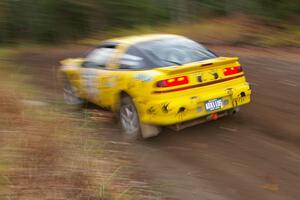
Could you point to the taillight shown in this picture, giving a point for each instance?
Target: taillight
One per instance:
(173, 82)
(232, 70)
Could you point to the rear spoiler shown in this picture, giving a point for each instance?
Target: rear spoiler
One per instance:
(197, 65)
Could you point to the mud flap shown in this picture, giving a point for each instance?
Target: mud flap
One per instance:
(149, 130)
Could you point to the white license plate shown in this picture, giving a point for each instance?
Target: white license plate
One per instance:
(214, 104)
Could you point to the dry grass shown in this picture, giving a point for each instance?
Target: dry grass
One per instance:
(31, 148)
(50, 151)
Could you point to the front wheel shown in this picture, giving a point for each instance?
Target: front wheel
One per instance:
(70, 96)
(130, 123)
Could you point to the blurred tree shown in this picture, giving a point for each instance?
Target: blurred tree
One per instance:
(3, 20)
(130, 13)
(59, 20)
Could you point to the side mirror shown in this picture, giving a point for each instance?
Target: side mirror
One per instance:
(84, 64)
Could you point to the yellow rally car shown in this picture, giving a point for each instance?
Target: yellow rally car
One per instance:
(156, 80)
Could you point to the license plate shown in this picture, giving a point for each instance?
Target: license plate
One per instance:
(214, 104)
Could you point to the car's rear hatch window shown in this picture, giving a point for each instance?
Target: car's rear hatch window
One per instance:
(173, 51)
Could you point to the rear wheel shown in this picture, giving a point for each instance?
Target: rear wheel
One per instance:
(129, 119)
(130, 123)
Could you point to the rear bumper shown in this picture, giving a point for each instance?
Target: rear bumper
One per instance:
(215, 116)
(166, 112)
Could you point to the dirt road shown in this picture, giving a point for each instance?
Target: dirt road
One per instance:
(252, 155)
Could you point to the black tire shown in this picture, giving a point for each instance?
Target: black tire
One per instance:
(138, 129)
(70, 96)
(129, 119)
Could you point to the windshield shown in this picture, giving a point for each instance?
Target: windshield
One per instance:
(174, 51)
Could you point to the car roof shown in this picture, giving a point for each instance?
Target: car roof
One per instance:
(130, 40)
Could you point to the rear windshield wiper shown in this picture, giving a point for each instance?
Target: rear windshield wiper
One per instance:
(171, 61)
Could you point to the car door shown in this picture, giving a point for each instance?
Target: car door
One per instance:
(93, 73)
(111, 79)
(121, 74)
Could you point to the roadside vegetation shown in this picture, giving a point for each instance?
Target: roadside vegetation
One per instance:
(254, 22)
